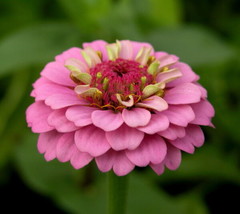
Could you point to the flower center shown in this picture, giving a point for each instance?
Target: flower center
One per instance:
(121, 76)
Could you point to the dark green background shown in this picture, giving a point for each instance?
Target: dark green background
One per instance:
(205, 34)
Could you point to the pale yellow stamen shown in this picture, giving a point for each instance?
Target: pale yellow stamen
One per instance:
(164, 68)
(151, 89)
(83, 77)
(99, 75)
(151, 59)
(87, 91)
(131, 87)
(153, 68)
(143, 55)
(105, 83)
(113, 51)
(143, 82)
(91, 57)
(99, 53)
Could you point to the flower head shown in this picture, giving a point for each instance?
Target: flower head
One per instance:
(122, 104)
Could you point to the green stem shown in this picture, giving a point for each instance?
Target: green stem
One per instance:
(117, 193)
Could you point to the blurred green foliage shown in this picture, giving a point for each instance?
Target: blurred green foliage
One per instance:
(205, 34)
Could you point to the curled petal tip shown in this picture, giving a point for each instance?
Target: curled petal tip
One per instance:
(128, 103)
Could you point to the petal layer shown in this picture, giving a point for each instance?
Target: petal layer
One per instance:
(154, 102)
(47, 143)
(45, 90)
(173, 157)
(173, 132)
(57, 101)
(124, 138)
(187, 75)
(153, 149)
(107, 119)
(80, 115)
(158, 122)
(37, 114)
(183, 94)
(80, 159)
(91, 140)
(136, 117)
(56, 72)
(180, 115)
(195, 135)
(117, 160)
(65, 147)
(58, 120)
(204, 111)
(184, 144)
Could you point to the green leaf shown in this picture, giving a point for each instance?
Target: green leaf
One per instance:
(194, 45)
(122, 12)
(36, 44)
(207, 163)
(158, 12)
(87, 14)
(192, 204)
(143, 197)
(15, 92)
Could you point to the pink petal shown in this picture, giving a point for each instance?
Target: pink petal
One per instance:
(57, 73)
(166, 59)
(136, 117)
(98, 45)
(45, 90)
(41, 81)
(58, 120)
(37, 115)
(187, 75)
(203, 90)
(124, 138)
(180, 115)
(91, 140)
(138, 45)
(122, 165)
(158, 122)
(168, 76)
(173, 132)
(173, 157)
(153, 149)
(33, 94)
(154, 102)
(80, 159)
(57, 101)
(184, 144)
(65, 147)
(105, 161)
(116, 160)
(126, 51)
(70, 53)
(195, 135)
(42, 142)
(47, 143)
(107, 120)
(204, 111)
(80, 115)
(158, 168)
(183, 94)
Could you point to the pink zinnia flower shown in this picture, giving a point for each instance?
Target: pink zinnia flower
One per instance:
(122, 104)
